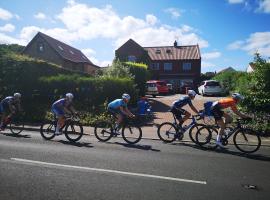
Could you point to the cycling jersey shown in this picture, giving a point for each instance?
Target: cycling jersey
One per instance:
(4, 104)
(58, 106)
(117, 103)
(182, 102)
(227, 102)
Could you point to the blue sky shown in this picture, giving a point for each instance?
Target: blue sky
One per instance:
(228, 32)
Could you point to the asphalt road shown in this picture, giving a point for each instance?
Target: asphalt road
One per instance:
(31, 168)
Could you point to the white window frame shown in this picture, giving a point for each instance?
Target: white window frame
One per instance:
(167, 66)
(186, 66)
(155, 66)
(132, 58)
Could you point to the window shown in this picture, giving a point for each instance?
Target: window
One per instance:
(40, 47)
(212, 83)
(168, 51)
(71, 52)
(158, 51)
(167, 66)
(61, 48)
(155, 66)
(186, 66)
(132, 58)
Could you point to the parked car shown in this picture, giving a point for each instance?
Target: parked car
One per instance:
(156, 87)
(210, 87)
(184, 86)
(170, 87)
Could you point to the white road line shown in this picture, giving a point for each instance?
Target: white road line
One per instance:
(109, 171)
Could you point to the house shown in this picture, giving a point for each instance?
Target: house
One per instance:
(228, 69)
(251, 67)
(175, 64)
(49, 49)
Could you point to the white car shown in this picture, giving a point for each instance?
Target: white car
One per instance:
(210, 87)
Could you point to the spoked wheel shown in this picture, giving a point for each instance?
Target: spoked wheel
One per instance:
(193, 130)
(247, 140)
(47, 130)
(103, 131)
(206, 137)
(131, 134)
(73, 131)
(16, 125)
(167, 132)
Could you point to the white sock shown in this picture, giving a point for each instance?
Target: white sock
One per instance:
(218, 138)
(57, 128)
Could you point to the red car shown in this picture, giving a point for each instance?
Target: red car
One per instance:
(156, 87)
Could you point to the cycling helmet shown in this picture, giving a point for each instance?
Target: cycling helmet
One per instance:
(126, 96)
(192, 93)
(17, 95)
(69, 96)
(237, 96)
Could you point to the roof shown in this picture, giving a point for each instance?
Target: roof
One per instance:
(65, 51)
(228, 69)
(189, 52)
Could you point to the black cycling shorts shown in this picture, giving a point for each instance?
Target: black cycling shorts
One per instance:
(217, 112)
(178, 112)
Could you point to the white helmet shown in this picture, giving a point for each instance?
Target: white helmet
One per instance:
(17, 95)
(69, 96)
(237, 96)
(192, 93)
(126, 96)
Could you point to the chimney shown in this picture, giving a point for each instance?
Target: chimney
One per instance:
(175, 43)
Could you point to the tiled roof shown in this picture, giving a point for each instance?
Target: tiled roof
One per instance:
(174, 52)
(66, 51)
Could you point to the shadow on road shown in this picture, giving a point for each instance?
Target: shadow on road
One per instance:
(158, 106)
(76, 144)
(17, 136)
(136, 146)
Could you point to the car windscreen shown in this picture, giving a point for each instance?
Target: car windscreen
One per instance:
(212, 83)
(150, 85)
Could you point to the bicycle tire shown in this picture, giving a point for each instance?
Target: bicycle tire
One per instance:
(103, 131)
(132, 134)
(205, 137)
(73, 131)
(16, 128)
(165, 136)
(249, 136)
(47, 130)
(192, 132)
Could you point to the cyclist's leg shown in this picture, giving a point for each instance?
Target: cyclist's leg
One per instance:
(218, 114)
(186, 115)
(228, 118)
(178, 115)
(60, 119)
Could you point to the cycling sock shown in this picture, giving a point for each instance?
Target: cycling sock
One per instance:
(218, 138)
(57, 128)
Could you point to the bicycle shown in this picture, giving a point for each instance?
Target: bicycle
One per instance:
(169, 132)
(73, 130)
(131, 131)
(15, 123)
(245, 140)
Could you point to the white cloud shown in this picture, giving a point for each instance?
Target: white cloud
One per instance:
(40, 15)
(211, 55)
(151, 19)
(264, 6)
(5, 14)
(5, 39)
(236, 1)
(175, 13)
(90, 54)
(7, 28)
(257, 42)
(207, 64)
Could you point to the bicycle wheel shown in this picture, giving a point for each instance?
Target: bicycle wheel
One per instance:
(47, 130)
(247, 140)
(167, 132)
(206, 137)
(103, 131)
(132, 134)
(193, 130)
(16, 125)
(73, 131)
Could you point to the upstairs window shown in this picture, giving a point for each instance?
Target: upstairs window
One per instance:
(167, 66)
(132, 58)
(40, 47)
(71, 52)
(61, 48)
(155, 66)
(186, 66)
(158, 51)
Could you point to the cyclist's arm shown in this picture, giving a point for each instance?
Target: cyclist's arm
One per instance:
(193, 108)
(237, 112)
(67, 110)
(126, 111)
(72, 109)
(12, 108)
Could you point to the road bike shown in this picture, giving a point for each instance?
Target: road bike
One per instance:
(169, 132)
(129, 129)
(72, 128)
(15, 123)
(245, 139)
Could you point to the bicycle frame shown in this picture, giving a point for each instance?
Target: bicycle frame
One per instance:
(179, 127)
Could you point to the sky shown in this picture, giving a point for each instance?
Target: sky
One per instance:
(228, 32)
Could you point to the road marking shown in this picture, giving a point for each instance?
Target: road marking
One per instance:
(109, 171)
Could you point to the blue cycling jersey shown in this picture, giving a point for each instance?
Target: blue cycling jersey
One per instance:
(60, 103)
(182, 102)
(8, 100)
(117, 103)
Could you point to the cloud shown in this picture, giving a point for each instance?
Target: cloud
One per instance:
(264, 6)
(174, 12)
(236, 1)
(257, 42)
(151, 19)
(211, 55)
(207, 64)
(5, 39)
(90, 53)
(40, 15)
(7, 28)
(5, 14)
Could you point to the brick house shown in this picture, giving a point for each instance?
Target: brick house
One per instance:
(49, 49)
(179, 65)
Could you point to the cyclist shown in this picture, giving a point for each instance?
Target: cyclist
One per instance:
(119, 109)
(60, 108)
(177, 109)
(9, 105)
(219, 114)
